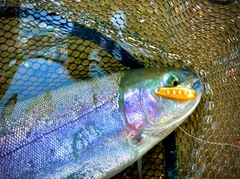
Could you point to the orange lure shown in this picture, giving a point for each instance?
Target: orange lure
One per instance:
(176, 93)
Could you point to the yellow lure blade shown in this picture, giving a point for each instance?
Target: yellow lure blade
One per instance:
(176, 93)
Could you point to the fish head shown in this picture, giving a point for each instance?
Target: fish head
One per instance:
(156, 101)
(178, 95)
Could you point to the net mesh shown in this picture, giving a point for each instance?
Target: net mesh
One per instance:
(202, 35)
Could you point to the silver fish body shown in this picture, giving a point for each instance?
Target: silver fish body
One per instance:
(93, 128)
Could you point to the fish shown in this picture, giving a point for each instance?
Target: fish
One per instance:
(97, 127)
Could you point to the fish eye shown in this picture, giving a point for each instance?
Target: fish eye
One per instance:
(175, 83)
(172, 80)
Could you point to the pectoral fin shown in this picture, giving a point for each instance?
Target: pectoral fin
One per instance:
(139, 164)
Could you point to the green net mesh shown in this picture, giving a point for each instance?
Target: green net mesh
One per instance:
(202, 35)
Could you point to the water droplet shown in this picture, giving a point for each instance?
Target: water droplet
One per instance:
(192, 167)
(195, 153)
(27, 64)
(12, 62)
(202, 73)
(209, 105)
(214, 125)
(208, 89)
(224, 79)
(207, 119)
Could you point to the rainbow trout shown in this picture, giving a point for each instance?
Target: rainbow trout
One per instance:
(97, 127)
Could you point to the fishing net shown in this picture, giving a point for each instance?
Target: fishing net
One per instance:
(121, 35)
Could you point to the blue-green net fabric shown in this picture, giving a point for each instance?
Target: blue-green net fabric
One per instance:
(123, 34)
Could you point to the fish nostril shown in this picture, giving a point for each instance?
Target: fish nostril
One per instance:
(196, 83)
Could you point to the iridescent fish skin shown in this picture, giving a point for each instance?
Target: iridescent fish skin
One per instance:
(93, 128)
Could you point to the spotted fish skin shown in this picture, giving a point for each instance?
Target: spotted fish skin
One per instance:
(93, 128)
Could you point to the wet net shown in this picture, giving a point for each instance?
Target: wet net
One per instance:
(121, 35)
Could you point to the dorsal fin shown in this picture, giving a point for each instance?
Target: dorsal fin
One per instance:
(9, 106)
(41, 105)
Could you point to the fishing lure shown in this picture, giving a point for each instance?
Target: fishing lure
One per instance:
(95, 128)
